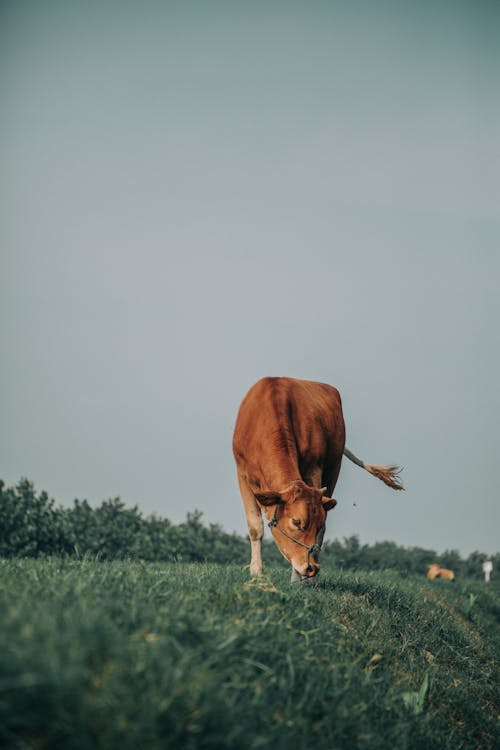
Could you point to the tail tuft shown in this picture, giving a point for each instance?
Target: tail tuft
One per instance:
(388, 474)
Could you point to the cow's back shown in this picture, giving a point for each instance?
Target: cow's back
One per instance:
(285, 426)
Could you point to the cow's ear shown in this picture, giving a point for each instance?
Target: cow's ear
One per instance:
(329, 503)
(269, 498)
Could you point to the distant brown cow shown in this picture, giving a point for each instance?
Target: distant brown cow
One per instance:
(288, 445)
(436, 572)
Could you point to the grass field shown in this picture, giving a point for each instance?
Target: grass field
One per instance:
(145, 656)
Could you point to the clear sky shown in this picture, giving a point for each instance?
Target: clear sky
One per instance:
(194, 195)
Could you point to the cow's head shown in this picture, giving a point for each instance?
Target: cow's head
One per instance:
(297, 517)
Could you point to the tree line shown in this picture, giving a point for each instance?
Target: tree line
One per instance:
(31, 525)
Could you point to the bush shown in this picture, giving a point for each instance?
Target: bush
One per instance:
(31, 525)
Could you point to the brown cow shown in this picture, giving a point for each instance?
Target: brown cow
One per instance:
(436, 572)
(288, 445)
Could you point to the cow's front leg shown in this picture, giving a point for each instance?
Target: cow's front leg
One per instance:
(256, 557)
(255, 526)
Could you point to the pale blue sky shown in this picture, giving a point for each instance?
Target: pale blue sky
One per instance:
(194, 195)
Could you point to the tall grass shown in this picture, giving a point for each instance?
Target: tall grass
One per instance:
(142, 655)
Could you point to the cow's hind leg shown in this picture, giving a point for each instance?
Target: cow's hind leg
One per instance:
(255, 525)
(295, 576)
(330, 475)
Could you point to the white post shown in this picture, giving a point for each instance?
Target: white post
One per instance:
(487, 568)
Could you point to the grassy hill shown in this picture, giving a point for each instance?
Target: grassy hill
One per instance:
(144, 655)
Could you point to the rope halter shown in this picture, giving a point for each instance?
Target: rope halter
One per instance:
(313, 549)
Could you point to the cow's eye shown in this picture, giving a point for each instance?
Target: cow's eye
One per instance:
(296, 522)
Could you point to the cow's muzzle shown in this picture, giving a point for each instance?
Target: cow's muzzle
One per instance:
(313, 550)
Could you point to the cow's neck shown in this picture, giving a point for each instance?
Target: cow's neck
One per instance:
(281, 475)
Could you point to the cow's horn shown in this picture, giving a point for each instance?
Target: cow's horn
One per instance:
(323, 490)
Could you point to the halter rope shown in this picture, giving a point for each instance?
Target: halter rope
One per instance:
(313, 549)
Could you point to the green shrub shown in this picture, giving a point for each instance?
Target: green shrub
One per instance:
(31, 525)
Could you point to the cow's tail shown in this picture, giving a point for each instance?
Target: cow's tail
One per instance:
(388, 474)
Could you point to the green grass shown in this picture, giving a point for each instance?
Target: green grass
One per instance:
(145, 656)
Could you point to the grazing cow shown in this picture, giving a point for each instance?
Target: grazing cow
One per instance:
(436, 572)
(288, 444)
